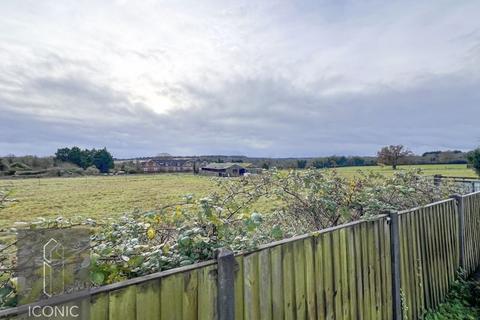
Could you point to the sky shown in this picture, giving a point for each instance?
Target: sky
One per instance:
(257, 78)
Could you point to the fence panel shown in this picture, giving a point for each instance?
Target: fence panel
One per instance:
(428, 254)
(472, 231)
(337, 273)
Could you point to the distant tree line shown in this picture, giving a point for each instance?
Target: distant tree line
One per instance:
(101, 159)
(66, 162)
(76, 161)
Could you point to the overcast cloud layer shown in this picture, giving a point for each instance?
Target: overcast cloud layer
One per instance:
(260, 78)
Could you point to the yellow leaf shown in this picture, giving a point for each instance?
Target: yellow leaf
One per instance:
(166, 249)
(151, 233)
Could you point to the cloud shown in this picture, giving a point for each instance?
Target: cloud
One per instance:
(263, 79)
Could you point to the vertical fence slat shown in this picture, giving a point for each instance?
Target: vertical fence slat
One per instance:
(419, 268)
(344, 274)
(320, 283)
(277, 284)
(288, 281)
(99, 307)
(448, 250)
(148, 300)
(251, 288)
(371, 269)
(426, 261)
(359, 267)
(377, 270)
(405, 274)
(443, 256)
(388, 269)
(461, 228)
(299, 278)
(476, 226)
(367, 309)
(352, 274)
(328, 275)
(265, 271)
(433, 262)
(337, 282)
(438, 254)
(445, 246)
(207, 293)
(395, 259)
(122, 304)
(310, 278)
(190, 295)
(239, 280)
(470, 249)
(411, 266)
(172, 297)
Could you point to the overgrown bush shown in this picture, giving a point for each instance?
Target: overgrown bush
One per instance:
(462, 303)
(92, 171)
(317, 199)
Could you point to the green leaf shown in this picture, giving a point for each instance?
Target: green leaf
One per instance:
(277, 232)
(98, 277)
(135, 261)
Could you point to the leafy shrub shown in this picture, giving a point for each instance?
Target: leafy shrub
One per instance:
(317, 199)
(92, 171)
(462, 303)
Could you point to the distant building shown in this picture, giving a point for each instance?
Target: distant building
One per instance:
(168, 165)
(227, 169)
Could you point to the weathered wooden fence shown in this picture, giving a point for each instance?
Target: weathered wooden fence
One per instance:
(380, 268)
(471, 208)
(429, 255)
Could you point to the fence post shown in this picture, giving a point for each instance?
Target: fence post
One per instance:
(395, 260)
(225, 284)
(461, 228)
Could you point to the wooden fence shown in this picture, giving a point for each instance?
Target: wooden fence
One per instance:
(429, 254)
(379, 268)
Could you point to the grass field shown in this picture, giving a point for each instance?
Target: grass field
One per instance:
(97, 197)
(457, 170)
(101, 197)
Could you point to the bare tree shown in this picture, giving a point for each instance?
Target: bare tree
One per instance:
(391, 155)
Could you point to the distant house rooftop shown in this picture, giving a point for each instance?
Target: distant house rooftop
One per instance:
(227, 169)
(222, 166)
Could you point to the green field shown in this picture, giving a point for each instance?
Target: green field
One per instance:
(97, 197)
(452, 170)
(102, 197)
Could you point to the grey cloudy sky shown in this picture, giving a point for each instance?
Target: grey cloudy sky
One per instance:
(260, 78)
